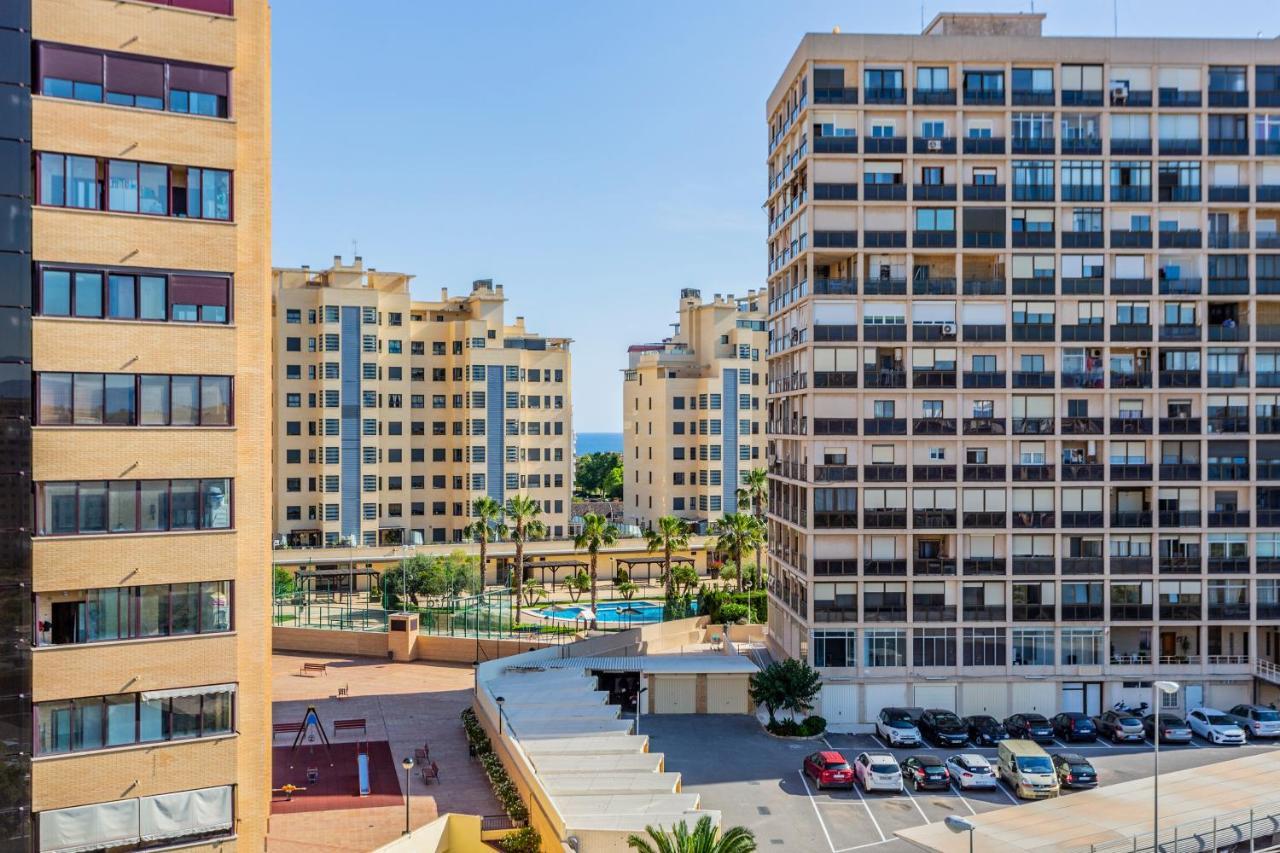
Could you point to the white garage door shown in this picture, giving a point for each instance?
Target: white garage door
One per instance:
(673, 694)
(991, 699)
(726, 694)
(1040, 696)
(936, 696)
(877, 696)
(1224, 697)
(838, 704)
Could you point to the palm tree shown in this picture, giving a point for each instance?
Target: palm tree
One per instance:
(671, 534)
(755, 491)
(523, 512)
(703, 839)
(487, 525)
(596, 533)
(736, 533)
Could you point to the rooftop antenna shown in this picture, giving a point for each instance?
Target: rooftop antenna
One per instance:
(1115, 18)
(922, 17)
(355, 246)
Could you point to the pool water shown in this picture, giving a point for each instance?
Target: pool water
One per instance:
(610, 612)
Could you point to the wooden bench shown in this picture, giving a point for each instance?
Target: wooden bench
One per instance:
(422, 755)
(285, 729)
(429, 772)
(347, 725)
(310, 669)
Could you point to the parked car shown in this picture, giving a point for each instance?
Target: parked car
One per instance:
(896, 728)
(985, 729)
(926, 771)
(944, 728)
(1073, 770)
(1030, 727)
(1256, 720)
(1027, 768)
(877, 772)
(1173, 729)
(1120, 726)
(1073, 725)
(1215, 726)
(970, 770)
(828, 769)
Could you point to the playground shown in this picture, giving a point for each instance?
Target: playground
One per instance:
(342, 726)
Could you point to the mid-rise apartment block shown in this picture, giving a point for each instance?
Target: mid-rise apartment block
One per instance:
(393, 415)
(134, 338)
(693, 411)
(1024, 367)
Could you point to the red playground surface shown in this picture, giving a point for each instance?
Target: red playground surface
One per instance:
(338, 786)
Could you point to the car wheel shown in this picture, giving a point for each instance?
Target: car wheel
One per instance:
(1115, 736)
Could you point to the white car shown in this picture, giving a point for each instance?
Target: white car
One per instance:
(877, 772)
(1215, 726)
(896, 728)
(971, 770)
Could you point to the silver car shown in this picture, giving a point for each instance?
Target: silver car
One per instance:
(1256, 720)
(1215, 726)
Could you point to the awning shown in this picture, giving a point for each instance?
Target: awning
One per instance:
(89, 827)
(176, 692)
(186, 813)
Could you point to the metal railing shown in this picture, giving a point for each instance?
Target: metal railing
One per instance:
(1252, 829)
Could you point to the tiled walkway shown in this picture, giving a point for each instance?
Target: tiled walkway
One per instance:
(404, 704)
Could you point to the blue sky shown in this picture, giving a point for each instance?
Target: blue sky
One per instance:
(594, 157)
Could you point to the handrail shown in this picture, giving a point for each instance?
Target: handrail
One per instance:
(1207, 834)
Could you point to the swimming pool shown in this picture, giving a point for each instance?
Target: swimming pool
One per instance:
(610, 612)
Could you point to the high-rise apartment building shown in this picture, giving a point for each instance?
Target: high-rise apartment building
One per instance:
(134, 339)
(693, 411)
(1024, 367)
(393, 415)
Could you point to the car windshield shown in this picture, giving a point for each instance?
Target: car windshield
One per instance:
(1220, 720)
(947, 719)
(1034, 764)
(884, 768)
(900, 723)
(1268, 716)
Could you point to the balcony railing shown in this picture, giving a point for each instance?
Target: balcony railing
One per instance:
(933, 378)
(985, 613)
(1033, 286)
(1131, 426)
(984, 145)
(1033, 473)
(1083, 378)
(1033, 332)
(1025, 519)
(1082, 426)
(984, 426)
(933, 518)
(1138, 379)
(1033, 379)
(1131, 472)
(933, 426)
(1081, 612)
(933, 612)
(933, 192)
(933, 473)
(884, 568)
(1228, 423)
(1228, 470)
(836, 287)
(983, 566)
(1033, 426)
(1127, 239)
(1033, 145)
(1130, 613)
(1083, 566)
(934, 145)
(881, 473)
(1180, 565)
(1034, 613)
(1129, 147)
(985, 473)
(1082, 240)
(933, 566)
(1179, 518)
(984, 287)
(1083, 286)
(884, 95)
(885, 145)
(885, 378)
(834, 473)
(885, 287)
(1238, 518)
(984, 379)
(1131, 565)
(1073, 518)
(884, 614)
(836, 95)
(983, 192)
(1180, 379)
(1181, 471)
(1228, 565)
(1182, 238)
(1034, 565)
(1180, 286)
(1131, 519)
(934, 97)
(985, 519)
(1179, 612)
(983, 333)
(1180, 426)
(884, 426)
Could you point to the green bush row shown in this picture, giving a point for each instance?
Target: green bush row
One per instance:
(526, 839)
(790, 728)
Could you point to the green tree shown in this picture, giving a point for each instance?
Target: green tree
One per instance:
(598, 474)
(533, 593)
(702, 839)
(282, 582)
(684, 579)
(670, 534)
(789, 685)
(596, 533)
(578, 585)
(736, 533)
(755, 492)
(486, 527)
(525, 526)
(627, 590)
(461, 574)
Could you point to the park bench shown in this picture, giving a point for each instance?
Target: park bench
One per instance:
(285, 728)
(429, 772)
(347, 725)
(310, 669)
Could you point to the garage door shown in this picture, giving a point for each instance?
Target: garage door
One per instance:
(1227, 696)
(673, 694)
(877, 696)
(1041, 697)
(935, 696)
(838, 704)
(991, 699)
(726, 694)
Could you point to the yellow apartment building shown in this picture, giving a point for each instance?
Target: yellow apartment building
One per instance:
(135, 301)
(693, 411)
(393, 415)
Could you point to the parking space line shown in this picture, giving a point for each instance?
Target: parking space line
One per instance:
(907, 791)
(1001, 784)
(857, 790)
(963, 800)
(876, 738)
(864, 846)
(818, 814)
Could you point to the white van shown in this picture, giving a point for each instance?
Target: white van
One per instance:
(1027, 769)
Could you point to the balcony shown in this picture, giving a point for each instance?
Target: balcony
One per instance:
(1268, 566)
(933, 378)
(1238, 610)
(833, 567)
(884, 518)
(1129, 148)
(1269, 424)
(984, 145)
(1138, 379)
(1220, 471)
(835, 426)
(933, 519)
(884, 473)
(1082, 192)
(1082, 426)
(984, 97)
(1083, 286)
(1034, 286)
(1033, 145)
(1180, 379)
(1266, 147)
(835, 145)
(884, 332)
(835, 520)
(1034, 613)
(1033, 192)
(985, 379)
(884, 95)
(1180, 426)
(1180, 286)
(1177, 612)
(933, 426)
(1124, 238)
(934, 145)
(1082, 240)
(933, 192)
(834, 474)
(1228, 423)
(827, 332)
(884, 192)
(1179, 564)
(1033, 98)
(983, 333)
(933, 473)
(1089, 518)
(1179, 98)
(1131, 426)
(1033, 426)
(1180, 471)
(1268, 192)
(836, 95)
(1228, 98)
(1131, 519)
(884, 378)
(1033, 473)
(1224, 286)
(1033, 239)
(884, 568)
(1228, 565)
(1131, 565)
(1268, 469)
(1077, 146)
(835, 192)
(933, 287)
(934, 97)
(1130, 472)
(984, 426)
(984, 239)
(885, 145)
(985, 519)
(885, 239)
(1179, 147)
(1081, 612)
(822, 613)
(835, 239)
(1083, 378)
(1131, 612)
(1228, 239)
(1023, 520)
(1033, 332)
(884, 614)
(1033, 379)
(984, 474)
(1228, 380)
(933, 612)
(1182, 238)
(1082, 472)
(1130, 193)
(836, 287)
(1237, 518)
(1132, 332)
(934, 240)
(1034, 565)
(1136, 98)
(885, 287)
(1233, 194)
(983, 192)
(983, 566)
(984, 613)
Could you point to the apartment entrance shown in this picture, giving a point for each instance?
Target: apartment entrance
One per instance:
(1083, 697)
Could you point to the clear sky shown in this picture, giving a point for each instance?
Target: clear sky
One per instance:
(594, 156)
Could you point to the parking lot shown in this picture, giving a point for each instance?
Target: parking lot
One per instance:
(754, 780)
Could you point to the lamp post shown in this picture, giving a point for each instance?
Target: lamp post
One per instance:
(407, 764)
(404, 578)
(639, 692)
(1157, 688)
(958, 824)
(499, 700)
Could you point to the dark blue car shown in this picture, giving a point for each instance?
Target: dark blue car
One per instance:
(1073, 725)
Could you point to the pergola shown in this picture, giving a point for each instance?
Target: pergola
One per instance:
(306, 578)
(554, 566)
(629, 563)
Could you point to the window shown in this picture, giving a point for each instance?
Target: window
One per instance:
(130, 506)
(933, 79)
(984, 83)
(100, 722)
(111, 399)
(182, 191)
(883, 81)
(1033, 180)
(1033, 80)
(131, 295)
(1032, 126)
(1033, 646)
(936, 219)
(132, 81)
(835, 648)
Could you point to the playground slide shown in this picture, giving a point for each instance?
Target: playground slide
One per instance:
(362, 762)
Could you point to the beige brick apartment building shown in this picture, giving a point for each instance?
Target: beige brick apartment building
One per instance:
(693, 411)
(135, 142)
(1024, 367)
(393, 415)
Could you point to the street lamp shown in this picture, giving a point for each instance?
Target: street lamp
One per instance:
(1157, 688)
(404, 577)
(958, 824)
(639, 693)
(499, 700)
(407, 764)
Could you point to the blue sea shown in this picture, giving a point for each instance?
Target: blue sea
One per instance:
(598, 442)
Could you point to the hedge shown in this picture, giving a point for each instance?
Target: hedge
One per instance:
(525, 839)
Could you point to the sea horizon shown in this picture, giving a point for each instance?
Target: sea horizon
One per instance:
(597, 442)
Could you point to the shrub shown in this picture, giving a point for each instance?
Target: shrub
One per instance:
(503, 787)
(524, 840)
(733, 612)
(785, 728)
(789, 685)
(814, 725)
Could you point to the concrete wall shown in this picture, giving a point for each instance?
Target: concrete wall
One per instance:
(375, 644)
(449, 833)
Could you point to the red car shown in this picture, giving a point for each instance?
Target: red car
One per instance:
(829, 768)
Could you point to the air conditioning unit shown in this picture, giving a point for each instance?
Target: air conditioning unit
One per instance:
(948, 330)
(934, 145)
(1095, 352)
(1119, 91)
(1144, 353)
